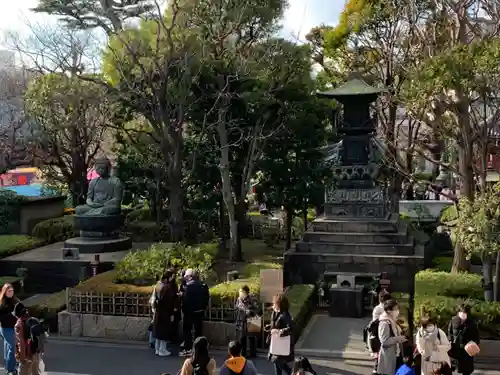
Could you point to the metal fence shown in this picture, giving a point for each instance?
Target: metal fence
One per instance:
(128, 304)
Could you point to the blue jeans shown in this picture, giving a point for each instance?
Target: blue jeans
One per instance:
(9, 349)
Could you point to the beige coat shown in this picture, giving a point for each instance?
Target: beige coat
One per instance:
(433, 346)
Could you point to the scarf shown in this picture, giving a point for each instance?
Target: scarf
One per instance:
(396, 330)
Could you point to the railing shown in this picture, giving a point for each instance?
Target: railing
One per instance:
(128, 304)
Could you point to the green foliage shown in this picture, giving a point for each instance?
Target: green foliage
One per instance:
(461, 285)
(69, 119)
(442, 263)
(141, 214)
(478, 222)
(89, 14)
(47, 307)
(55, 230)
(449, 215)
(145, 267)
(9, 211)
(11, 244)
(438, 294)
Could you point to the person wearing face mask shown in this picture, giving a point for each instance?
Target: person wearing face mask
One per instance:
(246, 307)
(462, 330)
(281, 324)
(390, 356)
(8, 302)
(433, 346)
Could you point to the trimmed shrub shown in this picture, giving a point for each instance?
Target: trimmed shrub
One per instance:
(301, 298)
(55, 230)
(144, 267)
(461, 285)
(47, 307)
(142, 214)
(11, 244)
(105, 283)
(146, 231)
(441, 308)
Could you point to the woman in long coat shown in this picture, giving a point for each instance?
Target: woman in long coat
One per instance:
(463, 329)
(281, 324)
(390, 356)
(166, 302)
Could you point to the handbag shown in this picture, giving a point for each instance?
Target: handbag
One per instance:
(472, 349)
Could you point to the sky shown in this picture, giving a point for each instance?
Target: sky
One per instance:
(300, 17)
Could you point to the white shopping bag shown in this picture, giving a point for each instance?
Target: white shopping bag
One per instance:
(41, 365)
(280, 345)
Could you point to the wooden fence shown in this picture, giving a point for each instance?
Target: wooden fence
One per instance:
(127, 304)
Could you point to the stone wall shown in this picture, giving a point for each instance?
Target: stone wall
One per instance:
(37, 209)
(130, 327)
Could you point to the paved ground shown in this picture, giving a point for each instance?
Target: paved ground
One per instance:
(66, 357)
(344, 341)
(83, 358)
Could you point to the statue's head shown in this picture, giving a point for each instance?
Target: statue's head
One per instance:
(103, 167)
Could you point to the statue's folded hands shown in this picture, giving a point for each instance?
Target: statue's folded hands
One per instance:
(105, 193)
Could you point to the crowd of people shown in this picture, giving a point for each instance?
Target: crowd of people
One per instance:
(434, 352)
(23, 336)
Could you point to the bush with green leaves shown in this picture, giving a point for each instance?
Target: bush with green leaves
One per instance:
(55, 230)
(145, 266)
(10, 210)
(11, 244)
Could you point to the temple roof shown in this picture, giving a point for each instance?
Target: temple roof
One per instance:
(354, 86)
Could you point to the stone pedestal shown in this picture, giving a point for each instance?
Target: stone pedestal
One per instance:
(346, 302)
(99, 234)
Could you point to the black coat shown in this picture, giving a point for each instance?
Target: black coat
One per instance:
(7, 320)
(282, 321)
(165, 305)
(459, 334)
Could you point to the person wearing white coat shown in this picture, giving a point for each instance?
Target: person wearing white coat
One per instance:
(433, 346)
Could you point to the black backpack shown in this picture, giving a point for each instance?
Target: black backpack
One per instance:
(33, 331)
(370, 335)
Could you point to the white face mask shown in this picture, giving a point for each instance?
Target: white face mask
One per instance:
(462, 315)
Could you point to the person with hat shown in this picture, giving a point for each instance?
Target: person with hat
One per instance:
(30, 336)
(194, 302)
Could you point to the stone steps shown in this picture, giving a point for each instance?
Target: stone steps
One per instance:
(356, 249)
(355, 226)
(359, 238)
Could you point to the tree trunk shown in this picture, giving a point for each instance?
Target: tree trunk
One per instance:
(241, 212)
(288, 227)
(222, 228)
(496, 289)
(227, 190)
(487, 277)
(465, 168)
(304, 212)
(176, 209)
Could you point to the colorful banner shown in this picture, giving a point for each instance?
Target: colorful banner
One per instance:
(19, 177)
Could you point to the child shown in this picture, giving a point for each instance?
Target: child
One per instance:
(29, 341)
(406, 368)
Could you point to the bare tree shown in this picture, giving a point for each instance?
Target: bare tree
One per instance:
(69, 118)
(14, 147)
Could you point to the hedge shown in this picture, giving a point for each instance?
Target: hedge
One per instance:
(55, 230)
(11, 244)
(438, 294)
(47, 307)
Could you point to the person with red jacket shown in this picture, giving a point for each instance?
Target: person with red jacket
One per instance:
(29, 341)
